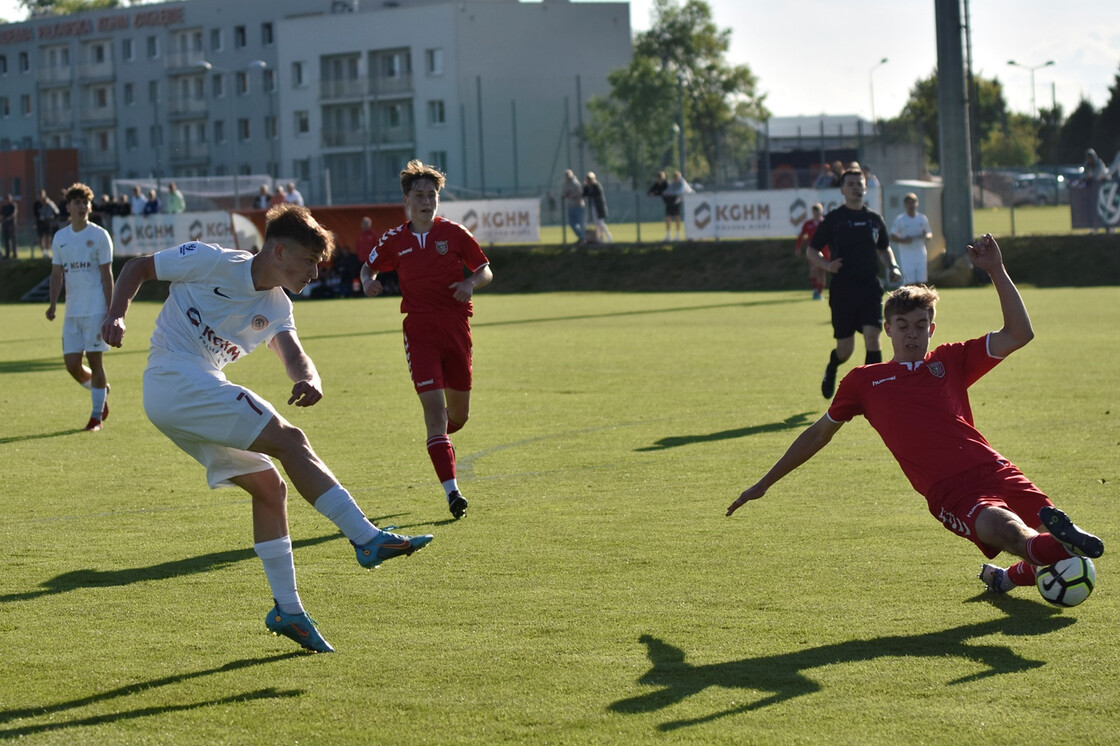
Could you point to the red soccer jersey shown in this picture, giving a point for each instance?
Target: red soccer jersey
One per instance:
(921, 411)
(428, 264)
(808, 228)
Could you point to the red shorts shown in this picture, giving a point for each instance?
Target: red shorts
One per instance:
(438, 350)
(957, 501)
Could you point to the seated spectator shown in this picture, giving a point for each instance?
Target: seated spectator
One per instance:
(152, 206)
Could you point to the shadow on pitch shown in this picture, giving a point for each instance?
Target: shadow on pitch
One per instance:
(783, 677)
(40, 436)
(7, 716)
(69, 581)
(795, 421)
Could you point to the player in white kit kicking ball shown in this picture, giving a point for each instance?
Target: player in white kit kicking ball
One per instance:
(224, 303)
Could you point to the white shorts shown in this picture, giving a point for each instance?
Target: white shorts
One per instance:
(82, 334)
(210, 418)
(912, 264)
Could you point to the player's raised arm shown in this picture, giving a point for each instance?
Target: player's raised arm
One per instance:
(135, 273)
(308, 388)
(1017, 330)
(804, 447)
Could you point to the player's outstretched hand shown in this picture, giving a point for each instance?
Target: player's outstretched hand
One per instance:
(751, 493)
(112, 331)
(305, 393)
(985, 253)
(372, 288)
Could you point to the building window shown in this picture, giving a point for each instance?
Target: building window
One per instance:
(5, 108)
(155, 135)
(25, 104)
(131, 141)
(101, 97)
(99, 54)
(297, 75)
(302, 168)
(242, 83)
(266, 34)
(216, 39)
(219, 131)
(24, 62)
(270, 130)
(129, 94)
(438, 158)
(303, 122)
(269, 76)
(153, 47)
(243, 132)
(153, 91)
(126, 50)
(218, 86)
(3, 64)
(238, 37)
(436, 113)
(433, 61)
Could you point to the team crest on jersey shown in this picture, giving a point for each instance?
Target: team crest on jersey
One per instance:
(441, 247)
(259, 322)
(936, 368)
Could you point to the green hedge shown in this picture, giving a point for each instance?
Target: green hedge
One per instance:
(1044, 261)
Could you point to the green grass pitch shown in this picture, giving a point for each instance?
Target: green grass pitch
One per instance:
(595, 592)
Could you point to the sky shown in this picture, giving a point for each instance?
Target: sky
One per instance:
(823, 56)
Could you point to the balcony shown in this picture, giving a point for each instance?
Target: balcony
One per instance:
(99, 116)
(184, 153)
(182, 107)
(54, 76)
(96, 159)
(184, 61)
(56, 118)
(397, 85)
(343, 138)
(332, 90)
(90, 71)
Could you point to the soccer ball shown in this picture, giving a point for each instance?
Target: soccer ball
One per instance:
(1067, 582)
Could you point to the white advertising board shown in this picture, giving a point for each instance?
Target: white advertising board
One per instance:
(145, 234)
(763, 214)
(495, 221)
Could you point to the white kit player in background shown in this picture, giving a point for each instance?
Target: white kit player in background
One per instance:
(83, 256)
(222, 305)
(909, 233)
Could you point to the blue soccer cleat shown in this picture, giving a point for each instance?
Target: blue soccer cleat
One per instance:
(995, 578)
(387, 545)
(1077, 542)
(298, 627)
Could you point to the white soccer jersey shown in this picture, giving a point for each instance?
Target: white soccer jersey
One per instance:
(81, 256)
(213, 315)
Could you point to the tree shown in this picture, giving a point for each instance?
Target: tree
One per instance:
(1076, 134)
(693, 83)
(1106, 138)
(36, 8)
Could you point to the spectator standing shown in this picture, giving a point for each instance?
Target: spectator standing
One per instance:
(597, 206)
(429, 254)
(152, 206)
(9, 213)
(824, 178)
(910, 231)
(657, 189)
(46, 215)
(175, 201)
(124, 205)
(279, 197)
(858, 238)
(573, 200)
(83, 255)
(293, 196)
(817, 275)
(138, 201)
(1094, 168)
(262, 201)
(367, 239)
(674, 204)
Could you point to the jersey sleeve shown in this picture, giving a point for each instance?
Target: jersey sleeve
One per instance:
(383, 257)
(186, 263)
(473, 256)
(847, 403)
(884, 242)
(105, 249)
(823, 235)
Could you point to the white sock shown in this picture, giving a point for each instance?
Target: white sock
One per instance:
(280, 569)
(88, 384)
(98, 402)
(451, 485)
(341, 510)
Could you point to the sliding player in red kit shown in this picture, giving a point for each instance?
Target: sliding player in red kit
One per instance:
(428, 254)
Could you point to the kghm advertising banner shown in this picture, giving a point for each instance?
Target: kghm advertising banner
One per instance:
(495, 221)
(761, 214)
(144, 234)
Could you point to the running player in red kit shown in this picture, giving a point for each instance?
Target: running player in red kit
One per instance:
(918, 403)
(817, 275)
(428, 254)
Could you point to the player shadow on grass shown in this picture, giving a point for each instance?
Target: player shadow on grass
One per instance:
(794, 421)
(75, 579)
(41, 436)
(7, 716)
(784, 675)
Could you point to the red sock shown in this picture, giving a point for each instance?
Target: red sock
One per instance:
(442, 456)
(1044, 549)
(1021, 573)
(452, 425)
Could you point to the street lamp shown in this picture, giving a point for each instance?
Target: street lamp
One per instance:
(207, 67)
(871, 85)
(1032, 68)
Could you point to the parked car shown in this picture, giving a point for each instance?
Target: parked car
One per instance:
(1034, 189)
